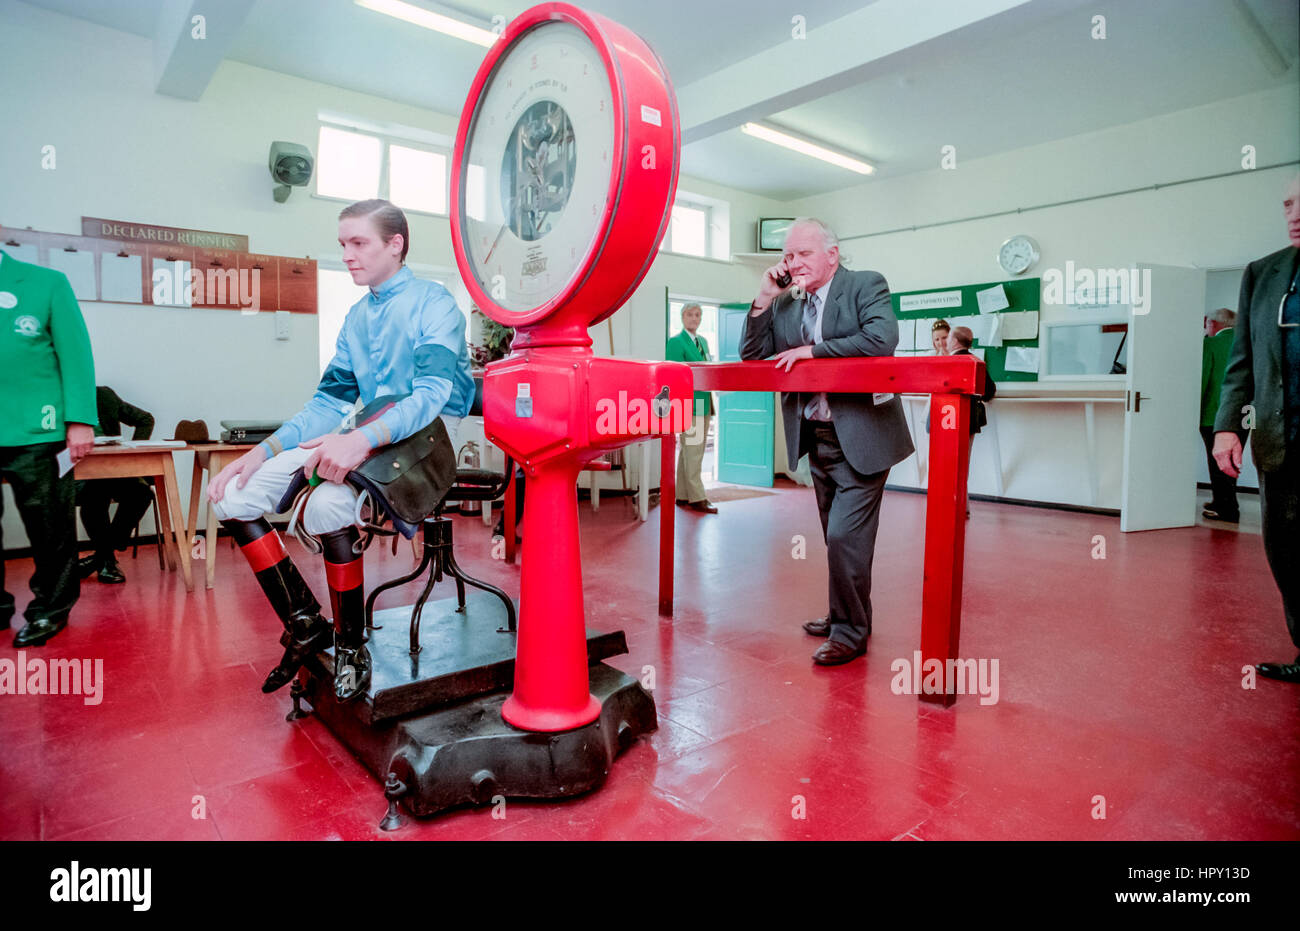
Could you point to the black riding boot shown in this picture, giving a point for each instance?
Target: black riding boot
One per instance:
(347, 599)
(305, 631)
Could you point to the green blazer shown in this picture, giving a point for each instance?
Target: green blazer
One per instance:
(47, 372)
(681, 348)
(1214, 362)
(1255, 370)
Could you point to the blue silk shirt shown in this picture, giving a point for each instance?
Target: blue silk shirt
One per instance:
(407, 336)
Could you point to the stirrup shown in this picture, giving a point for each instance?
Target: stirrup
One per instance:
(351, 671)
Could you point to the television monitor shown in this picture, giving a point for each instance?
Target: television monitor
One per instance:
(771, 233)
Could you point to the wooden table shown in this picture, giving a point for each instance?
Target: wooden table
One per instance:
(147, 462)
(212, 458)
(948, 380)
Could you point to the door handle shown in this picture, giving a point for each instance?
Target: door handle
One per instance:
(1137, 401)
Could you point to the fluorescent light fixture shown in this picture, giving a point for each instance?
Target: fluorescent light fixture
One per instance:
(807, 148)
(421, 16)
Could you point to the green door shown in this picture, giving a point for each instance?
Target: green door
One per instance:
(746, 425)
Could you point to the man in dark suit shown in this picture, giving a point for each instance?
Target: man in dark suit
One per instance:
(131, 494)
(851, 440)
(1261, 392)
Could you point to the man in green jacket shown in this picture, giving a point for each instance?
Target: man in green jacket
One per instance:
(47, 378)
(688, 346)
(1215, 349)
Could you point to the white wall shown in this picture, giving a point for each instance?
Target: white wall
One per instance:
(1214, 224)
(124, 152)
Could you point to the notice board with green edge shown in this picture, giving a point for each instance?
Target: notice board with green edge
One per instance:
(1022, 294)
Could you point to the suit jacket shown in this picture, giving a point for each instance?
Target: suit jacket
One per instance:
(1255, 370)
(681, 348)
(978, 417)
(113, 412)
(858, 320)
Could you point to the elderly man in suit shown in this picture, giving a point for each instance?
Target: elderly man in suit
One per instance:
(1261, 392)
(851, 440)
(690, 346)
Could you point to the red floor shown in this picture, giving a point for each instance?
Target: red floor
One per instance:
(1120, 679)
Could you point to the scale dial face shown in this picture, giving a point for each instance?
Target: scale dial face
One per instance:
(537, 167)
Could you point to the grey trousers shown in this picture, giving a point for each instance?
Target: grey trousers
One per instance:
(849, 505)
(1279, 500)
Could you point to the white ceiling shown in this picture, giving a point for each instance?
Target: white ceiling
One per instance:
(1029, 74)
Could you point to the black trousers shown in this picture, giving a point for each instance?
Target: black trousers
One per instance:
(848, 503)
(1279, 500)
(133, 498)
(46, 504)
(1223, 488)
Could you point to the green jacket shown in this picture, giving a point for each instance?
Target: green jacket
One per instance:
(682, 348)
(1214, 363)
(47, 372)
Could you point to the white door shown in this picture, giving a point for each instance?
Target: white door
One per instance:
(1162, 406)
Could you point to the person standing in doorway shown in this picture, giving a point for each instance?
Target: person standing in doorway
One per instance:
(689, 346)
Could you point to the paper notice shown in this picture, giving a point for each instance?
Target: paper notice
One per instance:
(1021, 325)
(992, 299)
(64, 459)
(1022, 359)
(906, 335)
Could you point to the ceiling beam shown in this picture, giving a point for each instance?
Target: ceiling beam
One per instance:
(833, 56)
(187, 51)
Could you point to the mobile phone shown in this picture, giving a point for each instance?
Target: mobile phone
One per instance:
(784, 279)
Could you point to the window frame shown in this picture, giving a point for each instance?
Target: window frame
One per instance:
(387, 138)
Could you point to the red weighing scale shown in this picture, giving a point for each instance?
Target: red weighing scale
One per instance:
(562, 187)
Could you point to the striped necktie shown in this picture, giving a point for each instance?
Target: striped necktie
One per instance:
(808, 328)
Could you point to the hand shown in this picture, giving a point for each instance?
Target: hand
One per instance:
(241, 469)
(1227, 453)
(788, 358)
(336, 455)
(770, 289)
(81, 440)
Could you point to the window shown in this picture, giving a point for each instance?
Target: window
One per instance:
(360, 163)
(700, 226)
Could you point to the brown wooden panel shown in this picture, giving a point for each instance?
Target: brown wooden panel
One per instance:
(222, 287)
(267, 269)
(297, 285)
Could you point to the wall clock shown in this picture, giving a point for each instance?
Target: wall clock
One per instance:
(1017, 255)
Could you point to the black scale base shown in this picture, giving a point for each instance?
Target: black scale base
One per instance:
(429, 727)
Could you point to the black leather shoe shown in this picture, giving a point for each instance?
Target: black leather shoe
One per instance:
(1282, 672)
(1228, 517)
(87, 565)
(703, 507)
(682, 502)
(835, 653)
(110, 573)
(38, 631)
(818, 628)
